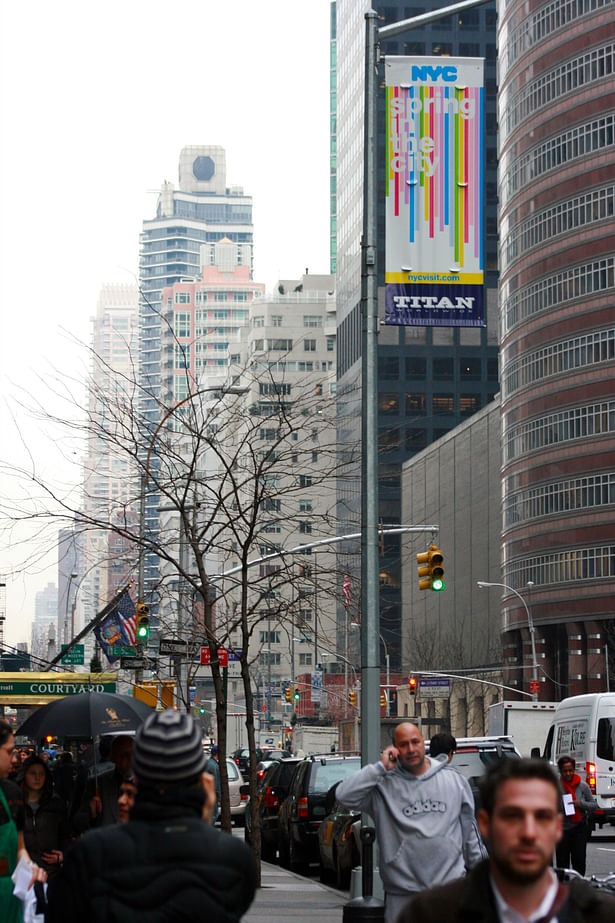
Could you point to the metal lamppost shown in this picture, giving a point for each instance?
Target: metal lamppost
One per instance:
(530, 625)
(370, 659)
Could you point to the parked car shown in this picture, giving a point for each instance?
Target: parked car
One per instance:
(237, 799)
(339, 842)
(272, 791)
(303, 810)
(242, 757)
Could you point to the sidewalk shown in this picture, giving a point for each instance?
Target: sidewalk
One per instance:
(284, 896)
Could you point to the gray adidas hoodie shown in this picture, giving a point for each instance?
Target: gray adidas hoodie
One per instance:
(425, 824)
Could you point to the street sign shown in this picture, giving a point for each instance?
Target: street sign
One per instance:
(438, 688)
(75, 656)
(123, 650)
(223, 656)
(173, 647)
(134, 663)
(534, 686)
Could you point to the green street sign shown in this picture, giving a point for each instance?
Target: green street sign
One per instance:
(76, 655)
(123, 650)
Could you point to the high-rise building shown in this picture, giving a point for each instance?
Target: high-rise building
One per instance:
(44, 624)
(201, 211)
(557, 309)
(429, 378)
(109, 488)
(203, 318)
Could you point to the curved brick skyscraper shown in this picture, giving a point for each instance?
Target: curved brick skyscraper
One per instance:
(557, 362)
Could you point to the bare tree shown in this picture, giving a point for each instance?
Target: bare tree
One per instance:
(241, 469)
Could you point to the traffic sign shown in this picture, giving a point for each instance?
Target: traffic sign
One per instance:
(134, 663)
(534, 686)
(75, 656)
(122, 650)
(173, 646)
(223, 656)
(439, 688)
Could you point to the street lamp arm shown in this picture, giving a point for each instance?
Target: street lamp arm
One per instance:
(415, 22)
(530, 625)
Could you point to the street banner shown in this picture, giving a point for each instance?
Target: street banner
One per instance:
(434, 268)
(117, 628)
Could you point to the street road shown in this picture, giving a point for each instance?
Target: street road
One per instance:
(601, 853)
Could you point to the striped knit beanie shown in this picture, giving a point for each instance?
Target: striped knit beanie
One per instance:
(168, 748)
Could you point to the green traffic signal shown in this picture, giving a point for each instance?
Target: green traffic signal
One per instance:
(438, 584)
(296, 694)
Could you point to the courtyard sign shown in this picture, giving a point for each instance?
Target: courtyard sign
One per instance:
(40, 688)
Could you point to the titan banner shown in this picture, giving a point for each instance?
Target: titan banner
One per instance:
(434, 268)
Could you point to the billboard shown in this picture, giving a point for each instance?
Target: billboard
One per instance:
(434, 267)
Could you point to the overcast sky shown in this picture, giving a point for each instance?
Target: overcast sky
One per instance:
(97, 102)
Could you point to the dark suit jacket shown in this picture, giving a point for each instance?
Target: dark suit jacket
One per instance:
(471, 900)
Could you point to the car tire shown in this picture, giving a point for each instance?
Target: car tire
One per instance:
(296, 862)
(284, 854)
(325, 875)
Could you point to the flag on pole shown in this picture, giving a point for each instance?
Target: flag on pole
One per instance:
(119, 627)
(346, 591)
(127, 615)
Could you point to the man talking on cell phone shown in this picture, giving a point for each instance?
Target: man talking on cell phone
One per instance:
(424, 817)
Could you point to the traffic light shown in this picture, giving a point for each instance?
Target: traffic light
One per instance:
(288, 694)
(431, 569)
(353, 697)
(383, 700)
(142, 621)
(296, 694)
(412, 684)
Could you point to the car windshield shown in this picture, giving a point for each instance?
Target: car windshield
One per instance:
(328, 773)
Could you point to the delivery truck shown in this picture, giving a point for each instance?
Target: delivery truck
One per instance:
(526, 722)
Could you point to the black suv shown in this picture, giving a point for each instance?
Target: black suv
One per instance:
(303, 809)
(242, 757)
(272, 791)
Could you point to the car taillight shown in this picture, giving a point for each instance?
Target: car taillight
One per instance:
(302, 807)
(243, 797)
(590, 773)
(271, 800)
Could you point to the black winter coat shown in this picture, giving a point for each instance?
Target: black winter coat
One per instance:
(165, 864)
(46, 829)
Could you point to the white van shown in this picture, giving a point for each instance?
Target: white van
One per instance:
(583, 727)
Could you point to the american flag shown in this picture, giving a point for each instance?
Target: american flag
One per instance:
(346, 591)
(127, 617)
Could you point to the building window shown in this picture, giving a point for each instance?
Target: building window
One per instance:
(182, 356)
(305, 480)
(305, 506)
(309, 346)
(416, 439)
(269, 433)
(415, 404)
(388, 404)
(443, 404)
(276, 320)
(443, 370)
(388, 368)
(305, 660)
(182, 297)
(269, 637)
(469, 369)
(416, 368)
(469, 404)
(305, 527)
(285, 345)
(181, 324)
(330, 344)
(312, 320)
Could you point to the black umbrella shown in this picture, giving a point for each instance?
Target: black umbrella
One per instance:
(86, 715)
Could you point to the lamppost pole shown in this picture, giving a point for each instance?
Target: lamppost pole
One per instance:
(370, 654)
(530, 625)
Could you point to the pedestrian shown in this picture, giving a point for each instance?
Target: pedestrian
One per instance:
(46, 830)
(126, 798)
(521, 822)
(442, 746)
(424, 817)
(12, 846)
(99, 806)
(577, 805)
(213, 768)
(167, 863)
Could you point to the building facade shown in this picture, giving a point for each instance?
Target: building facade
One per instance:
(557, 308)
(429, 379)
(203, 209)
